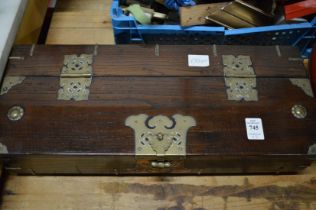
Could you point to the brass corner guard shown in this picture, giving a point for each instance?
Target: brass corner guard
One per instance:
(304, 84)
(3, 149)
(9, 82)
(160, 135)
(312, 150)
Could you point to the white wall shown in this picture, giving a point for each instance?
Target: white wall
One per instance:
(11, 13)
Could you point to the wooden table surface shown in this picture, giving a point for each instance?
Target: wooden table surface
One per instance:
(88, 22)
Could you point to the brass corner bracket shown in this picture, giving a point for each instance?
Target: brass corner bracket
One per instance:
(9, 82)
(312, 150)
(304, 84)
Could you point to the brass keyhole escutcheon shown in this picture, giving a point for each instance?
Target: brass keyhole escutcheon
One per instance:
(160, 135)
(299, 111)
(15, 113)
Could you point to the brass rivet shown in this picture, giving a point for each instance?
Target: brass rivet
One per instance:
(154, 164)
(167, 164)
(299, 111)
(15, 113)
(161, 165)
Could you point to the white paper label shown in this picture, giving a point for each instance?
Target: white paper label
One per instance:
(198, 60)
(254, 129)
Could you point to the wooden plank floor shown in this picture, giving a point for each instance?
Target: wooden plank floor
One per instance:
(291, 192)
(81, 22)
(161, 193)
(88, 22)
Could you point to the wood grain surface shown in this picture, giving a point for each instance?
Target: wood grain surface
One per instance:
(161, 193)
(81, 22)
(87, 193)
(99, 122)
(141, 60)
(196, 15)
(149, 84)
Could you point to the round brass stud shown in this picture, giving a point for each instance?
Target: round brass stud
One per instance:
(167, 164)
(299, 111)
(154, 164)
(15, 113)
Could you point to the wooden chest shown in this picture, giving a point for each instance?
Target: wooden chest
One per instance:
(156, 110)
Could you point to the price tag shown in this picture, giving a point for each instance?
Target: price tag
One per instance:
(198, 60)
(254, 129)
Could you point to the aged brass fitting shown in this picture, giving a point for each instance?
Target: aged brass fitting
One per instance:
(299, 111)
(159, 164)
(15, 113)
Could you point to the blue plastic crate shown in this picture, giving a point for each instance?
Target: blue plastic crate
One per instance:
(305, 43)
(127, 31)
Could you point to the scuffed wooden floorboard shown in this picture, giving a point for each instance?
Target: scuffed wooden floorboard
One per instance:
(161, 193)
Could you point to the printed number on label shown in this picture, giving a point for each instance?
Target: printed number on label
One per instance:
(254, 129)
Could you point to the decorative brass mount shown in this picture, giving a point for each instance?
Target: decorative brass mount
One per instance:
(304, 84)
(9, 82)
(160, 135)
(240, 78)
(299, 111)
(76, 78)
(15, 113)
(312, 150)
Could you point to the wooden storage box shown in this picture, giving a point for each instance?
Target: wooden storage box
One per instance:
(156, 110)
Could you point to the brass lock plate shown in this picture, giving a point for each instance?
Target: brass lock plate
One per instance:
(160, 135)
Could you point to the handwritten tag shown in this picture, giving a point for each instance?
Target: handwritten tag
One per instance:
(198, 60)
(254, 129)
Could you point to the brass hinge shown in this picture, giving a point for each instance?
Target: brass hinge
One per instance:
(76, 78)
(160, 135)
(241, 89)
(240, 78)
